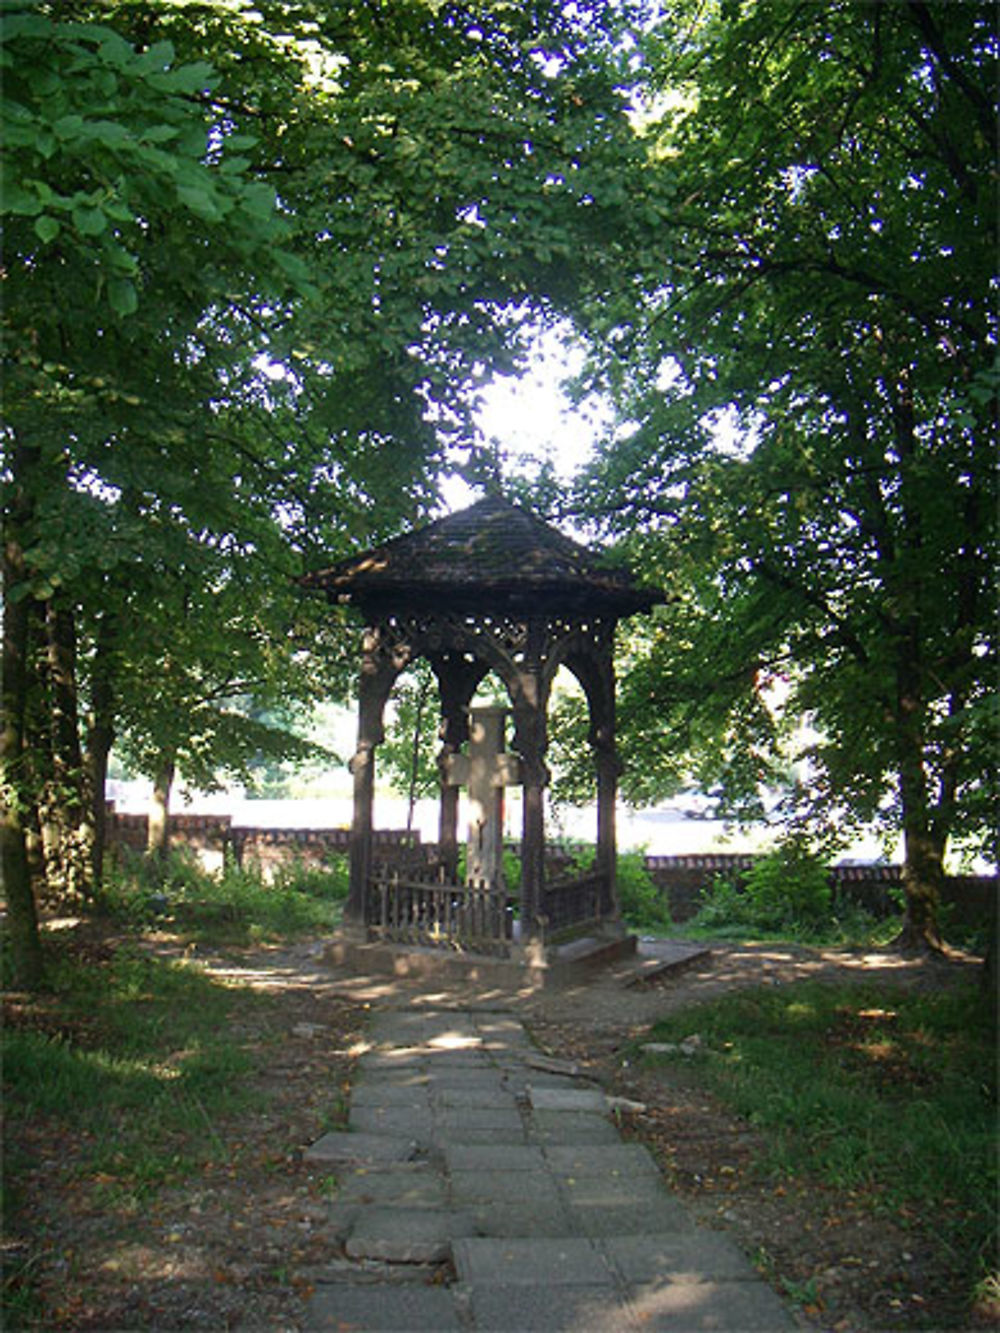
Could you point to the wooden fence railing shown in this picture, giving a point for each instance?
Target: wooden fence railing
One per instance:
(427, 911)
(571, 903)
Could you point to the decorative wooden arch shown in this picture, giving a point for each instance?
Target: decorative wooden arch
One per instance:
(492, 588)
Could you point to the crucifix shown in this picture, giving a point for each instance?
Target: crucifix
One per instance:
(484, 772)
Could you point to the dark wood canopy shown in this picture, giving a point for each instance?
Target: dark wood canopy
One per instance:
(491, 588)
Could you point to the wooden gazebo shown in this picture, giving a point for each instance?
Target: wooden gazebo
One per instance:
(491, 588)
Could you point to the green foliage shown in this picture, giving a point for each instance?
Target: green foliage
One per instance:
(235, 905)
(148, 1039)
(810, 392)
(643, 905)
(876, 1089)
(789, 887)
(327, 882)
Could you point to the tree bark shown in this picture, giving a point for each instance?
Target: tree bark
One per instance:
(100, 738)
(70, 808)
(158, 829)
(923, 847)
(27, 966)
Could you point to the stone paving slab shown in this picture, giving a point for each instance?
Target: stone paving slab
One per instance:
(390, 1094)
(538, 1261)
(686, 1306)
(493, 1157)
(676, 1256)
(341, 1146)
(460, 1118)
(582, 1159)
(392, 1308)
(527, 1187)
(561, 1128)
(474, 1098)
(625, 1219)
(403, 1189)
(567, 1099)
(497, 1308)
(609, 1191)
(514, 1136)
(417, 1122)
(496, 1219)
(407, 1235)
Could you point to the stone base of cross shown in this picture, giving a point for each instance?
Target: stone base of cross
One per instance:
(484, 772)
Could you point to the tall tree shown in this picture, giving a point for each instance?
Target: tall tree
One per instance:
(810, 389)
(249, 297)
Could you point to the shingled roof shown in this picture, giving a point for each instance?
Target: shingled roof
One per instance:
(492, 556)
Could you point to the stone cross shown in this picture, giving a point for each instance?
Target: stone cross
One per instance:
(484, 772)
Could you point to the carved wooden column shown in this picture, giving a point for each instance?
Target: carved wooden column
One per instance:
(457, 682)
(531, 742)
(382, 662)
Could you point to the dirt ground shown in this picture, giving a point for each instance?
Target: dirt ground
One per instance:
(228, 1248)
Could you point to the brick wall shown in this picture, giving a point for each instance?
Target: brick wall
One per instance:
(970, 900)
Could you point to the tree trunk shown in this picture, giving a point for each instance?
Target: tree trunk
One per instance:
(923, 849)
(158, 830)
(100, 738)
(25, 944)
(70, 820)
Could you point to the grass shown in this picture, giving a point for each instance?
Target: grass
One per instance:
(238, 906)
(885, 1092)
(115, 1083)
(127, 1054)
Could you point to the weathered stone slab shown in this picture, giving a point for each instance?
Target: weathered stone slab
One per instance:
(390, 1094)
(742, 1307)
(407, 1235)
(459, 1118)
(359, 1149)
(405, 1188)
(396, 1308)
(544, 1309)
(629, 1219)
(547, 1218)
(480, 1098)
(415, 1121)
(553, 1065)
(539, 1261)
(572, 1127)
(493, 1157)
(609, 1191)
(567, 1099)
(677, 1256)
(609, 1159)
(446, 1135)
(525, 1187)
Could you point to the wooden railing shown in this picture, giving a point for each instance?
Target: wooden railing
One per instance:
(424, 910)
(570, 904)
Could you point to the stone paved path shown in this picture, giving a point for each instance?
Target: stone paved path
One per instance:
(482, 1188)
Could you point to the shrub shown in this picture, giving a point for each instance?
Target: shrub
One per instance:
(789, 887)
(643, 905)
(787, 890)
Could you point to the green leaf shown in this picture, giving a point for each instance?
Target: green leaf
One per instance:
(199, 200)
(123, 296)
(89, 221)
(47, 228)
(68, 127)
(25, 203)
